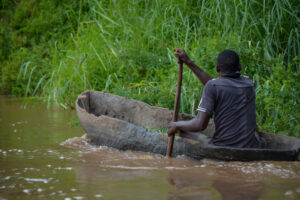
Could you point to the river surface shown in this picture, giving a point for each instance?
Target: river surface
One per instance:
(43, 157)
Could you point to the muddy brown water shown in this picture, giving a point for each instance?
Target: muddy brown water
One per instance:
(43, 157)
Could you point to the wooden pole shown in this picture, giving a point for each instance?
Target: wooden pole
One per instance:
(176, 108)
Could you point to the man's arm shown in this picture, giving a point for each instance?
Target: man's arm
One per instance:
(199, 123)
(201, 75)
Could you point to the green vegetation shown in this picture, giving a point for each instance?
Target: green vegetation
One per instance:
(57, 49)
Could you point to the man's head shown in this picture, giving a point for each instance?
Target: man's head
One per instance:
(228, 61)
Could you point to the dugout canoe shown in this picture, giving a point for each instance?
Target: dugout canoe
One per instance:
(126, 124)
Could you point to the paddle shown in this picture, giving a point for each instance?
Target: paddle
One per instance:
(176, 107)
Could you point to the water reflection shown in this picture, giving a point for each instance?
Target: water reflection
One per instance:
(188, 179)
(191, 184)
(201, 184)
(239, 188)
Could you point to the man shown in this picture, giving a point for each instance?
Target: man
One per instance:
(230, 99)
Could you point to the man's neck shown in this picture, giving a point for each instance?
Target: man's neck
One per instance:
(230, 74)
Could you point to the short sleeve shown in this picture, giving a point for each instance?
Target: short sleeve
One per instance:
(208, 99)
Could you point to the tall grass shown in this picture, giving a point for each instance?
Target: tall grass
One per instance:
(126, 48)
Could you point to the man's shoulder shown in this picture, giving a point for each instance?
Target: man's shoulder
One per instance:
(211, 83)
(247, 79)
(242, 81)
(214, 82)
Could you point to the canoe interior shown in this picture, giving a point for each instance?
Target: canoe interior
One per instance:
(155, 118)
(132, 111)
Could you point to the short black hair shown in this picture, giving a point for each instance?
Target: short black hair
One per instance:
(228, 61)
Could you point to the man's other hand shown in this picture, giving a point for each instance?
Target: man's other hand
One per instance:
(182, 56)
(172, 128)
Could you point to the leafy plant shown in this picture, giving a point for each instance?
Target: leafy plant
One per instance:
(126, 48)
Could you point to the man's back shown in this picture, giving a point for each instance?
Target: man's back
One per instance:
(232, 101)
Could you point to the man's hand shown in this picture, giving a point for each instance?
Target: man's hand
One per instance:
(172, 128)
(182, 56)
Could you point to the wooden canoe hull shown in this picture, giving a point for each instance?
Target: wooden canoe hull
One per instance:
(117, 122)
